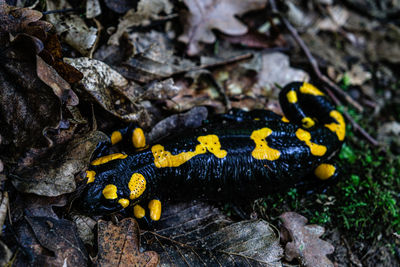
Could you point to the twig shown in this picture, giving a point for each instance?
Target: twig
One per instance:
(312, 60)
(324, 78)
(217, 64)
(65, 10)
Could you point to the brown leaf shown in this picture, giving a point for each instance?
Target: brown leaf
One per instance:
(205, 15)
(53, 47)
(146, 11)
(306, 245)
(111, 90)
(71, 27)
(60, 87)
(60, 237)
(119, 245)
(276, 69)
(197, 234)
(28, 106)
(15, 19)
(53, 173)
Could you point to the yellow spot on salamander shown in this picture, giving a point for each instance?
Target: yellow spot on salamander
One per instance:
(110, 191)
(90, 175)
(340, 127)
(138, 211)
(138, 138)
(105, 159)
(124, 202)
(316, 150)
(116, 137)
(324, 171)
(155, 209)
(284, 119)
(291, 97)
(307, 122)
(310, 89)
(262, 150)
(208, 143)
(137, 185)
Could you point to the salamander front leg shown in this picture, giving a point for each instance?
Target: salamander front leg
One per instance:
(151, 213)
(326, 172)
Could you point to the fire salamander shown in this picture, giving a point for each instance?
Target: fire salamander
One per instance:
(239, 154)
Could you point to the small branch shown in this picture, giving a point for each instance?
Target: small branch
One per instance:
(358, 128)
(65, 10)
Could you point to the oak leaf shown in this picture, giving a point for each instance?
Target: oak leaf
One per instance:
(206, 15)
(306, 244)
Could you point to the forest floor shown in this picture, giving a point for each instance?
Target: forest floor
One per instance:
(73, 72)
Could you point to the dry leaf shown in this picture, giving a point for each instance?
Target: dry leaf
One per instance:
(85, 226)
(5, 254)
(206, 15)
(93, 8)
(153, 63)
(58, 236)
(276, 69)
(111, 90)
(119, 245)
(71, 27)
(305, 244)
(147, 10)
(54, 173)
(198, 234)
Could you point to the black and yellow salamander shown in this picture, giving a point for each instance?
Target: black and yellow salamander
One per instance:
(238, 154)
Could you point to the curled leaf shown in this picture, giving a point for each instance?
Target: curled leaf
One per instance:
(119, 245)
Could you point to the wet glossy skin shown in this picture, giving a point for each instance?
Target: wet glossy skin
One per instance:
(233, 155)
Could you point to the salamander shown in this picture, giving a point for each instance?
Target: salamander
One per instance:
(232, 155)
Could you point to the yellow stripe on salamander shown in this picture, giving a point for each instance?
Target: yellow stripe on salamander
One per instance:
(340, 127)
(310, 89)
(316, 150)
(210, 143)
(262, 150)
(105, 159)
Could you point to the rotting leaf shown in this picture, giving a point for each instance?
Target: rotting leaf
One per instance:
(5, 254)
(147, 10)
(198, 234)
(144, 57)
(53, 173)
(85, 226)
(60, 237)
(119, 245)
(305, 244)
(29, 106)
(276, 69)
(60, 87)
(111, 90)
(71, 27)
(154, 63)
(206, 15)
